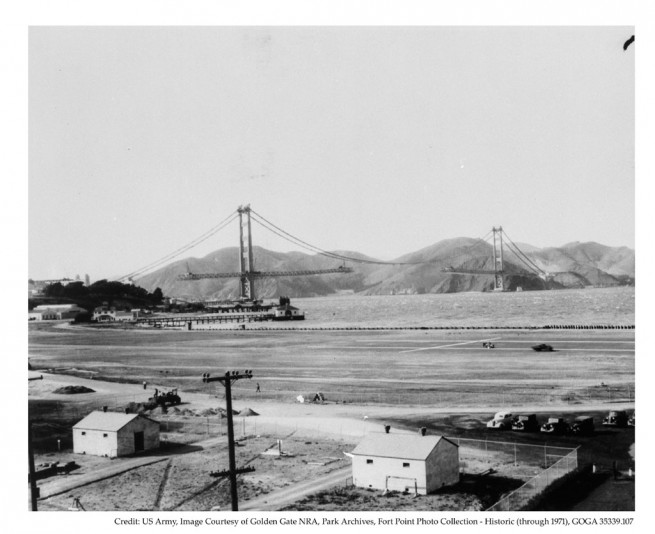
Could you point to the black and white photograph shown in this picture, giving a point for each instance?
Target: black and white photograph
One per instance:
(313, 275)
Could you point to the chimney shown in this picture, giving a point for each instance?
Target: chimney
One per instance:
(104, 408)
(387, 428)
(423, 431)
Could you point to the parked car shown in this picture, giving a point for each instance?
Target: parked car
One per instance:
(501, 421)
(583, 425)
(526, 423)
(616, 418)
(631, 421)
(542, 347)
(555, 425)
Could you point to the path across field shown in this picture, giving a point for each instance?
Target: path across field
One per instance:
(393, 367)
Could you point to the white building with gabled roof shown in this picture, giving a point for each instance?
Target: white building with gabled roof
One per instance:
(114, 434)
(405, 462)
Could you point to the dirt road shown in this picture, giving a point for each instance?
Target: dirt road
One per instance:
(289, 495)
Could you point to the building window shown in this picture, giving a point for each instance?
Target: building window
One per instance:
(369, 461)
(405, 464)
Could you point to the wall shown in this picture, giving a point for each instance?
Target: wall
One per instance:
(442, 466)
(150, 431)
(94, 442)
(375, 475)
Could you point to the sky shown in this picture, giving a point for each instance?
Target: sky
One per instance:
(380, 140)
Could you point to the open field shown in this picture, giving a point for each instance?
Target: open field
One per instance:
(443, 380)
(448, 368)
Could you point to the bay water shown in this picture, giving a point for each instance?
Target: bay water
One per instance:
(592, 307)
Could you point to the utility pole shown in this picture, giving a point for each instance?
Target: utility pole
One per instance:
(34, 491)
(232, 472)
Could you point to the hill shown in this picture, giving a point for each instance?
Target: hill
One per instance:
(423, 271)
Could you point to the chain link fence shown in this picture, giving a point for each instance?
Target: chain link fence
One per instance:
(558, 467)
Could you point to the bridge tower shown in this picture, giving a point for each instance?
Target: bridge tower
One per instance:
(246, 262)
(498, 258)
(247, 273)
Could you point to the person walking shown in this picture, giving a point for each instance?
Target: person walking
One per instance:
(258, 389)
(145, 384)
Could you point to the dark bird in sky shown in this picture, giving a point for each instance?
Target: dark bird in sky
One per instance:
(628, 42)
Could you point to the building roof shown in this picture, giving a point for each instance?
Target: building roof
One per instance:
(285, 307)
(42, 307)
(408, 446)
(111, 421)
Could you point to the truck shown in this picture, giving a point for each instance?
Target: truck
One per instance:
(555, 425)
(583, 425)
(525, 423)
(161, 398)
(617, 418)
(501, 421)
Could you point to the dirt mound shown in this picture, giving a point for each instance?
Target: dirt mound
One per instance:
(223, 412)
(71, 390)
(137, 407)
(247, 412)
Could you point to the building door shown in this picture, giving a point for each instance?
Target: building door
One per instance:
(138, 441)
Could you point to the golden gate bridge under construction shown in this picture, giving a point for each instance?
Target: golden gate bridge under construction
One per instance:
(248, 274)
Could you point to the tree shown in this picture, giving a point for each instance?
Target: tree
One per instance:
(54, 290)
(157, 296)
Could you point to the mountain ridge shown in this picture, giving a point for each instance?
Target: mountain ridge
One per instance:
(423, 271)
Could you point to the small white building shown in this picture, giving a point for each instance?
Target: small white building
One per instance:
(115, 434)
(104, 314)
(287, 312)
(405, 462)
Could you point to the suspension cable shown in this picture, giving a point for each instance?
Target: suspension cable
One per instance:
(470, 247)
(536, 267)
(300, 242)
(265, 223)
(512, 248)
(209, 233)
